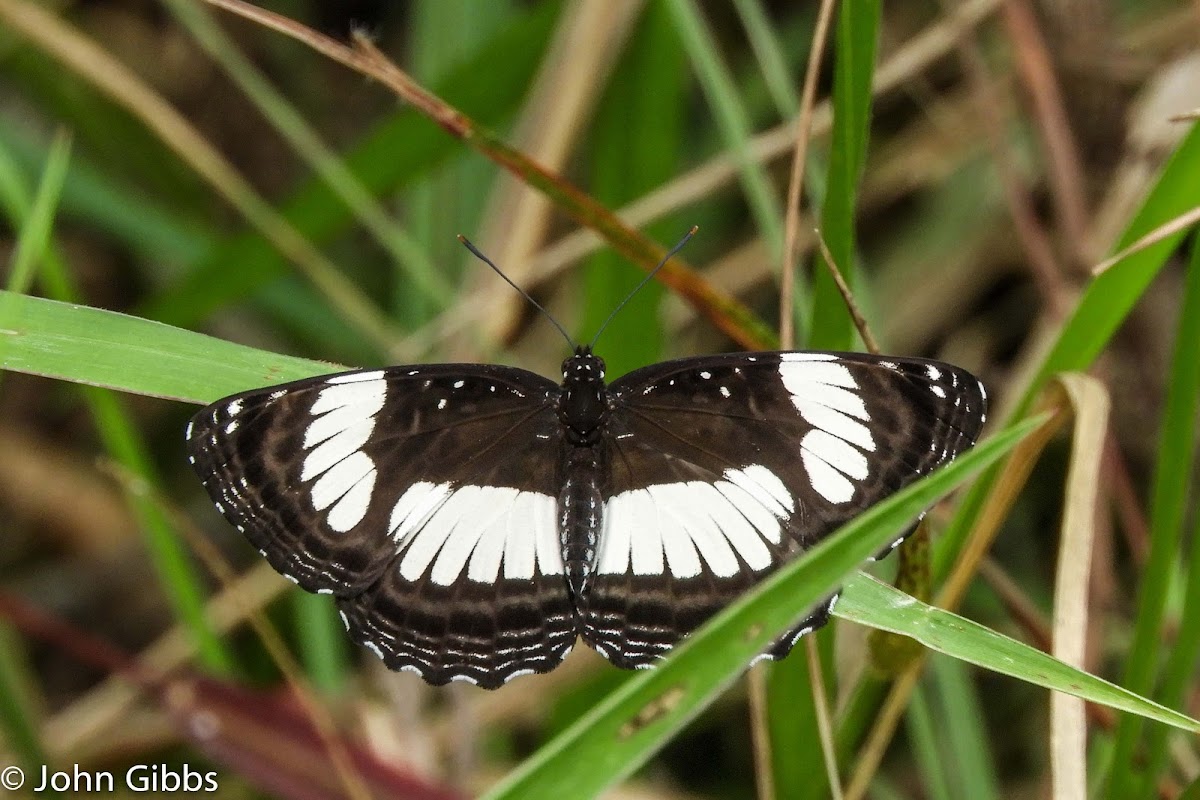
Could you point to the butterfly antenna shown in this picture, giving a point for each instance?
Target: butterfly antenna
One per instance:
(644, 281)
(475, 251)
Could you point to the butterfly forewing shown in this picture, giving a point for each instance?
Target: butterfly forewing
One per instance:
(724, 467)
(423, 498)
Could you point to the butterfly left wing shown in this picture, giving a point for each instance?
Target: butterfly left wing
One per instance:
(724, 467)
(421, 497)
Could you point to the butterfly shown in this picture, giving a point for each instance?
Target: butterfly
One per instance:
(473, 521)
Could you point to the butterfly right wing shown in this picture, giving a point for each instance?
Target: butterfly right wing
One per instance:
(422, 498)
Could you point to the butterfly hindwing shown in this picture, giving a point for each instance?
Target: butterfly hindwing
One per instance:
(724, 467)
(422, 498)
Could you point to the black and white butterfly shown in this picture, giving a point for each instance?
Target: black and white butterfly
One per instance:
(473, 521)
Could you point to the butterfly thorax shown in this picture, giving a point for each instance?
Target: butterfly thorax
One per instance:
(583, 400)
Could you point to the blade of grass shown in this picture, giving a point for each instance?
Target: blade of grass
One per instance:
(34, 236)
(857, 32)
(1105, 303)
(968, 749)
(620, 733)
(182, 586)
(626, 161)
(17, 716)
(768, 51)
(322, 642)
(731, 118)
(1172, 483)
(84, 57)
(871, 602)
(923, 732)
(793, 711)
(450, 200)
(107, 203)
(103, 348)
(397, 152)
(406, 253)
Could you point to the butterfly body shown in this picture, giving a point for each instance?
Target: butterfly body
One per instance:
(473, 521)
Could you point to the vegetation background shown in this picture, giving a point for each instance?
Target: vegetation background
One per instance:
(970, 162)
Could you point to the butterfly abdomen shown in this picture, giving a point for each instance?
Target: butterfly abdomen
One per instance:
(581, 511)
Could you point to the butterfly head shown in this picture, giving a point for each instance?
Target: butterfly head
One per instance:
(583, 401)
(583, 367)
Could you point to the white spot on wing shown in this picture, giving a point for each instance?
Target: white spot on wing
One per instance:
(763, 523)
(646, 547)
(615, 544)
(467, 507)
(827, 481)
(479, 529)
(686, 527)
(833, 452)
(835, 422)
(800, 355)
(836, 453)
(414, 506)
(234, 408)
(356, 377)
(677, 544)
(765, 486)
(341, 478)
(707, 516)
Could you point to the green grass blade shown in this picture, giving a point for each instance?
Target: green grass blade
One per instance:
(1168, 509)
(732, 120)
(397, 152)
(870, 602)
(17, 717)
(962, 727)
(1104, 306)
(768, 51)
(923, 730)
(627, 161)
(34, 238)
(628, 726)
(183, 589)
(103, 348)
(322, 639)
(826, 324)
(291, 125)
(1110, 297)
(450, 200)
(797, 763)
(857, 32)
(154, 233)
